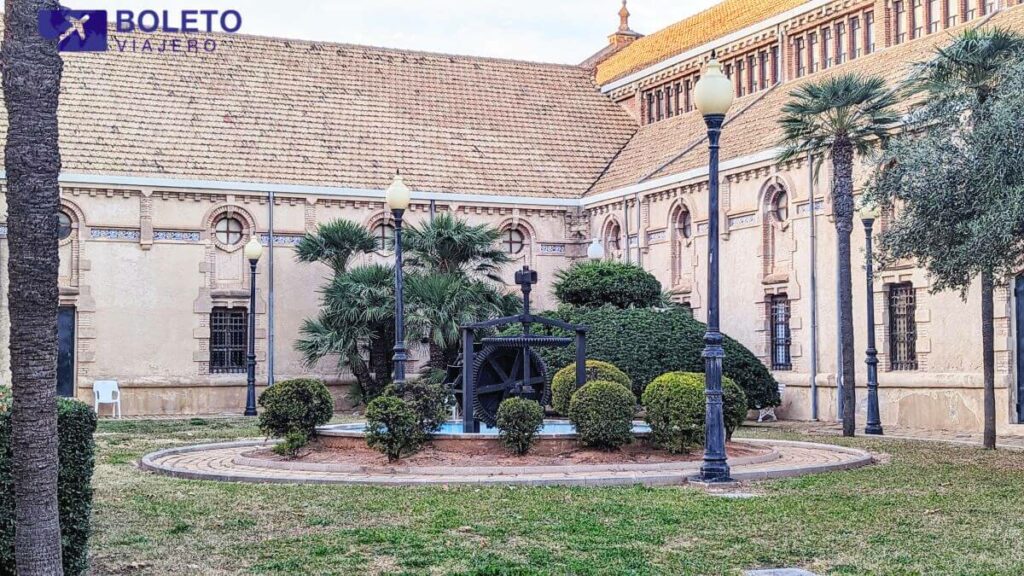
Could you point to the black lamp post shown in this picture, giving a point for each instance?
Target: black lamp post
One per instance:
(714, 95)
(868, 214)
(397, 198)
(253, 250)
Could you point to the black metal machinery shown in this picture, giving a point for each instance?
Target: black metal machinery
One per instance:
(496, 368)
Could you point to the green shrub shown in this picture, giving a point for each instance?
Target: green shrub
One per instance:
(76, 423)
(292, 409)
(563, 385)
(431, 400)
(519, 421)
(293, 441)
(596, 283)
(602, 413)
(674, 407)
(392, 427)
(644, 343)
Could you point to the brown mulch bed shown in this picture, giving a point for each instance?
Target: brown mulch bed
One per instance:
(636, 453)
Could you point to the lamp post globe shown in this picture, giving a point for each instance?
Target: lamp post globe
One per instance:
(868, 214)
(253, 251)
(595, 251)
(397, 198)
(713, 95)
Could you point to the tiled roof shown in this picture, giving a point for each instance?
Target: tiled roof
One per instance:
(715, 22)
(754, 126)
(284, 111)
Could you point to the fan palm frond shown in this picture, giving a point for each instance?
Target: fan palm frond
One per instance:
(334, 244)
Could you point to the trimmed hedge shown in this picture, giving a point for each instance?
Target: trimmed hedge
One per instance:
(76, 423)
(644, 343)
(602, 413)
(519, 421)
(563, 385)
(392, 427)
(292, 409)
(674, 407)
(596, 283)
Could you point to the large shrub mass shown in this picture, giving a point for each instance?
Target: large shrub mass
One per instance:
(674, 407)
(644, 343)
(596, 283)
(292, 410)
(602, 413)
(392, 427)
(563, 385)
(76, 423)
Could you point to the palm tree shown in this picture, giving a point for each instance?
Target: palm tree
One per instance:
(31, 79)
(356, 320)
(449, 245)
(335, 243)
(960, 79)
(839, 117)
(441, 303)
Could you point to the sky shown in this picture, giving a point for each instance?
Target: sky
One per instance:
(564, 31)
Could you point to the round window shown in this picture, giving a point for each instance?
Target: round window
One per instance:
(63, 225)
(384, 236)
(514, 241)
(780, 207)
(229, 231)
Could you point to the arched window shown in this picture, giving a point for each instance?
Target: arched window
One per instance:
(513, 241)
(384, 236)
(613, 236)
(684, 223)
(780, 206)
(64, 225)
(229, 230)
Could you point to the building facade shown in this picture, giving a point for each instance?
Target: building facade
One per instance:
(172, 162)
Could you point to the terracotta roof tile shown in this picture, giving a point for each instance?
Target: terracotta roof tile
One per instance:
(756, 128)
(715, 22)
(284, 111)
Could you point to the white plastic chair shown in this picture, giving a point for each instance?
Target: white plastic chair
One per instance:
(107, 392)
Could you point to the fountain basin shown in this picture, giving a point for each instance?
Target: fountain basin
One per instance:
(556, 437)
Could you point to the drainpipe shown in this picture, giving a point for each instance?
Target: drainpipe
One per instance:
(625, 229)
(270, 289)
(433, 210)
(814, 290)
(639, 232)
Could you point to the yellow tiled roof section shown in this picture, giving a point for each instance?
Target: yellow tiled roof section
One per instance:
(715, 22)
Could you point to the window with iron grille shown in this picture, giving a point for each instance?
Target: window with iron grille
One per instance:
(228, 331)
(778, 310)
(902, 330)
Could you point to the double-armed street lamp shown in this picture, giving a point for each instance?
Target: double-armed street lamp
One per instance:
(714, 95)
(397, 198)
(252, 251)
(868, 215)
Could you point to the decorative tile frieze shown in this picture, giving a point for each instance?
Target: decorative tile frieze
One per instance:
(552, 249)
(634, 241)
(819, 207)
(176, 235)
(3, 230)
(657, 236)
(744, 220)
(281, 239)
(702, 227)
(114, 234)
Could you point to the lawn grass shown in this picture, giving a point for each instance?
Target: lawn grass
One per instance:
(930, 509)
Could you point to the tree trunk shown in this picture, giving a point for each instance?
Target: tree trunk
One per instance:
(842, 208)
(31, 79)
(437, 356)
(363, 377)
(988, 350)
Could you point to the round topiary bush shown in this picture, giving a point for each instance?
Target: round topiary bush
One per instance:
(292, 410)
(602, 413)
(674, 407)
(563, 385)
(644, 343)
(596, 283)
(519, 421)
(392, 427)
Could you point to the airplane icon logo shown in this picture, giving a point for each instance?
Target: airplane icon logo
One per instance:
(75, 30)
